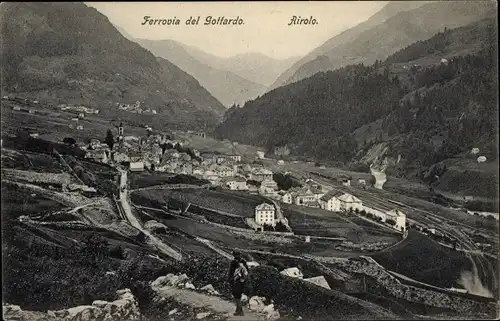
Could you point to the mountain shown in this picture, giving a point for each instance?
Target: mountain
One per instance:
(71, 53)
(253, 66)
(226, 86)
(397, 25)
(422, 109)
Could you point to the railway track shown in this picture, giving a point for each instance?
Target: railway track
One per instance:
(448, 226)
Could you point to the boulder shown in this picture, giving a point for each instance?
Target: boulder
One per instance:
(271, 313)
(210, 290)
(256, 303)
(244, 298)
(189, 286)
(172, 312)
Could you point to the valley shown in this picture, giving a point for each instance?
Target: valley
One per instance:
(359, 181)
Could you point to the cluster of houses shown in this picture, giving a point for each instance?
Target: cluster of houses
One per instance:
(80, 109)
(136, 108)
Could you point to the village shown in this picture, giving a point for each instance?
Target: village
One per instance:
(161, 153)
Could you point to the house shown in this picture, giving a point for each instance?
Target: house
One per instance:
(214, 179)
(282, 150)
(292, 272)
(337, 201)
(236, 158)
(161, 168)
(304, 197)
(265, 214)
(235, 183)
(444, 61)
(398, 217)
(281, 162)
(16, 108)
(287, 198)
(319, 281)
(225, 171)
(346, 182)
(34, 135)
(261, 174)
(361, 182)
(199, 171)
(268, 188)
(100, 155)
(136, 166)
(201, 134)
(135, 156)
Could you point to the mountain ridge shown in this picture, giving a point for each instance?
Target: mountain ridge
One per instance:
(412, 103)
(71, 53)
(226, 86)
(377, 38)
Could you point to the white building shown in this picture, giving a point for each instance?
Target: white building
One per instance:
(199, 171)
(337, 201)
(287, 198)
(225, 171)
(236, 183)
(261, 174)
(136, 166)
(236, 158)
(398, 217)
(292, 272)
(120, 157)
(265, 214)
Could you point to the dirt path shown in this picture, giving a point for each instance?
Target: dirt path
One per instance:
(213, 303)
(156, 242)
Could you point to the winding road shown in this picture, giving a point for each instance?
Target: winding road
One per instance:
(156, 242)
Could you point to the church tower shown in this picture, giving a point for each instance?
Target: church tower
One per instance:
(120, 129)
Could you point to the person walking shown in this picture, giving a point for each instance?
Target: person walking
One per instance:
(238, 275)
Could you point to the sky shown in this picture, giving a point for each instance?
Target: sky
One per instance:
(265, 27)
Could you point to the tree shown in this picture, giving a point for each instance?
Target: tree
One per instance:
(69, 140)
(109, 140)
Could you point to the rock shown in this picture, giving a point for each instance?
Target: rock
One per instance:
(210, 289)
(271, 314)
(190, 286)
(202, 315)
(172, 312)
(122, 292)
(99, 303)
(256, 303)
(51, 314)
(244, 298)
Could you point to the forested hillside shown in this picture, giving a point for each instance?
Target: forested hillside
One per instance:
(70, 53)
(429, 112)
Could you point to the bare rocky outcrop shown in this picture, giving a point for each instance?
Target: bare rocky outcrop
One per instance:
(124, 308)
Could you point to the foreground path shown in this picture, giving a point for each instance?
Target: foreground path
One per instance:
(215, 304)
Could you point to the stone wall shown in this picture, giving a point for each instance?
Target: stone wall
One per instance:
(125, 307)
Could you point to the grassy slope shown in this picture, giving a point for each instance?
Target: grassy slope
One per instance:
(437, 265)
